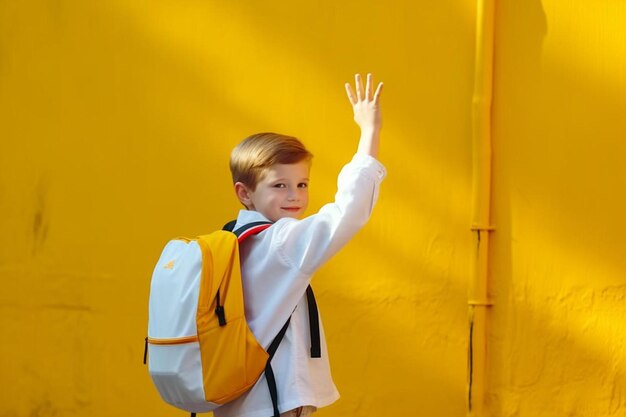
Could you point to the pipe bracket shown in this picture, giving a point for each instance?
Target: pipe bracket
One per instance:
(480, 228)
(480, 303)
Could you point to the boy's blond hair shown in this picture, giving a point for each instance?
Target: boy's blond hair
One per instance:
(256, 153)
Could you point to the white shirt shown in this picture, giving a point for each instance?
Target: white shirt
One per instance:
(277, 266)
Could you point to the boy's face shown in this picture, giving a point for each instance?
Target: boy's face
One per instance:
(282, 192)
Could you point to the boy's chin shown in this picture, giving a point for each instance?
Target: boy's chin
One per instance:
(281, 214)
(291, 215)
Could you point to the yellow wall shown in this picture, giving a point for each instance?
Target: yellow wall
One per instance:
(116, 121)
(558, 261)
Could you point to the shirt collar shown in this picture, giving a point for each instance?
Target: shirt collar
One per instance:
(249, 216)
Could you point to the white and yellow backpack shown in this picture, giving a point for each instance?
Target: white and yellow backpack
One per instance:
(201, 352)
(196, 313)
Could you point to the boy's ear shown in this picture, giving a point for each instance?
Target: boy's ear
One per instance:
(243, 193)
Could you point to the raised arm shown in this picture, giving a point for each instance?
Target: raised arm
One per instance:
(367, 115)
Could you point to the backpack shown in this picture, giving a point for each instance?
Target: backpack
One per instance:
(202, 354)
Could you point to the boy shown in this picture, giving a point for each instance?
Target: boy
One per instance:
(271, 176)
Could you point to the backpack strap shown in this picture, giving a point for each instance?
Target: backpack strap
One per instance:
(314, 328)
(246, 230)
(314, 324)
(243, 233)
(250, 229)
(269, 373)
(230, 225)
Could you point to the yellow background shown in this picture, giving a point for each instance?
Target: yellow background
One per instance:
(116, 122)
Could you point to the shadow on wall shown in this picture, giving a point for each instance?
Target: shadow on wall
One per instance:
(557, 322)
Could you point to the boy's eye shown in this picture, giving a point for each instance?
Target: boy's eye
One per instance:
(280, 185)
(303, 185)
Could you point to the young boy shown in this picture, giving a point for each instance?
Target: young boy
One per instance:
(271, 177)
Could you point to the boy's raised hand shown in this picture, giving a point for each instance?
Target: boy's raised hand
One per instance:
(366, 113)
(365, 103)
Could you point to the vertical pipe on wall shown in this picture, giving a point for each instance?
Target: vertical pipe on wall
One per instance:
(478, 299)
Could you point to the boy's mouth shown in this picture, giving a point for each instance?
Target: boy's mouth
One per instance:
(291, 209)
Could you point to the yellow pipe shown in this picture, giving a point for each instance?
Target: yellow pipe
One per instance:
(478, 298)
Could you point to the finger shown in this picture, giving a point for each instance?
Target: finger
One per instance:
(350, 94)
(368, 88)
(358, 86)
(379, 89)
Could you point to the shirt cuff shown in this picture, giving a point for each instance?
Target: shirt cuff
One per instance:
(370, 164)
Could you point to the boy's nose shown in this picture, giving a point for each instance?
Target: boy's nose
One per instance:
(292, 195)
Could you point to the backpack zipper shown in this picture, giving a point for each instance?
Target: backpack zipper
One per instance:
(166, 342)
(171, 341)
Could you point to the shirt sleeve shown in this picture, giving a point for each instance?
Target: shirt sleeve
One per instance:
(308, 243)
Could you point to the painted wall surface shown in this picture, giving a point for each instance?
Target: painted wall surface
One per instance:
(558, 265)
(116, 122)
